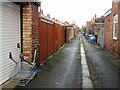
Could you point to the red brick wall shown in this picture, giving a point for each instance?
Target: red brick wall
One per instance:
(30, 30)
(115, 42)
(35, 37)
(114, 8)
(111, 44)
(119, 29)
(108, 39)
(88, 23)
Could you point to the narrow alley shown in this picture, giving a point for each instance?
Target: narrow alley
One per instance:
(59, 44)
(104, 71)
(63, 70)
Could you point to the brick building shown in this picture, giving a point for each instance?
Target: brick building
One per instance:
(69, 31)
(88, 23)
(88, 27)
(98, 28)
(108, 30)
(116, 27)
(112, 29)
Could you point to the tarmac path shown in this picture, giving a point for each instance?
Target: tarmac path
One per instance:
(63, 70)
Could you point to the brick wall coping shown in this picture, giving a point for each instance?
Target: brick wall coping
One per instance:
(49, 20)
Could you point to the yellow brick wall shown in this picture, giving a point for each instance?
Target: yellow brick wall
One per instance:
(30, 31)
(27, 31)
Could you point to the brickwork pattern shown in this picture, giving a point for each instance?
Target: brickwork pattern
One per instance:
(27, 31)
(30, 31)
(108, 42)
(119, 29)
(115, 42)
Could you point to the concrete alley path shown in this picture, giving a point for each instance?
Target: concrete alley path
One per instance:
(63, 70)
(103, 72)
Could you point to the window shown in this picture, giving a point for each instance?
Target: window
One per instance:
(115, 26)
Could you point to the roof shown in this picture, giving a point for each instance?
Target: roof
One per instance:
(108, 12)
(99, 20)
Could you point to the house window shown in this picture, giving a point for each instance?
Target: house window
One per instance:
(115, 26)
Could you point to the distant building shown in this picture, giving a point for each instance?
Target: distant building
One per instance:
(66, 23)
(69, 29)
(88, 23)
(88, 27)
(98, 30)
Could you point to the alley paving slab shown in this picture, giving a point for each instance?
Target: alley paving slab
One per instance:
(104, 73)
(62, 70)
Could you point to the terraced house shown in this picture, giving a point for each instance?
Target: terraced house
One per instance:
(112, 28)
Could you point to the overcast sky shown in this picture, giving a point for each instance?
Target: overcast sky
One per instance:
(79, 11)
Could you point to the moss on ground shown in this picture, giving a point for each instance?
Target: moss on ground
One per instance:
(48, 65)
(54, 58)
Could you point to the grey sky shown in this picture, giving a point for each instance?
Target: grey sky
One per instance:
(78, 10)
